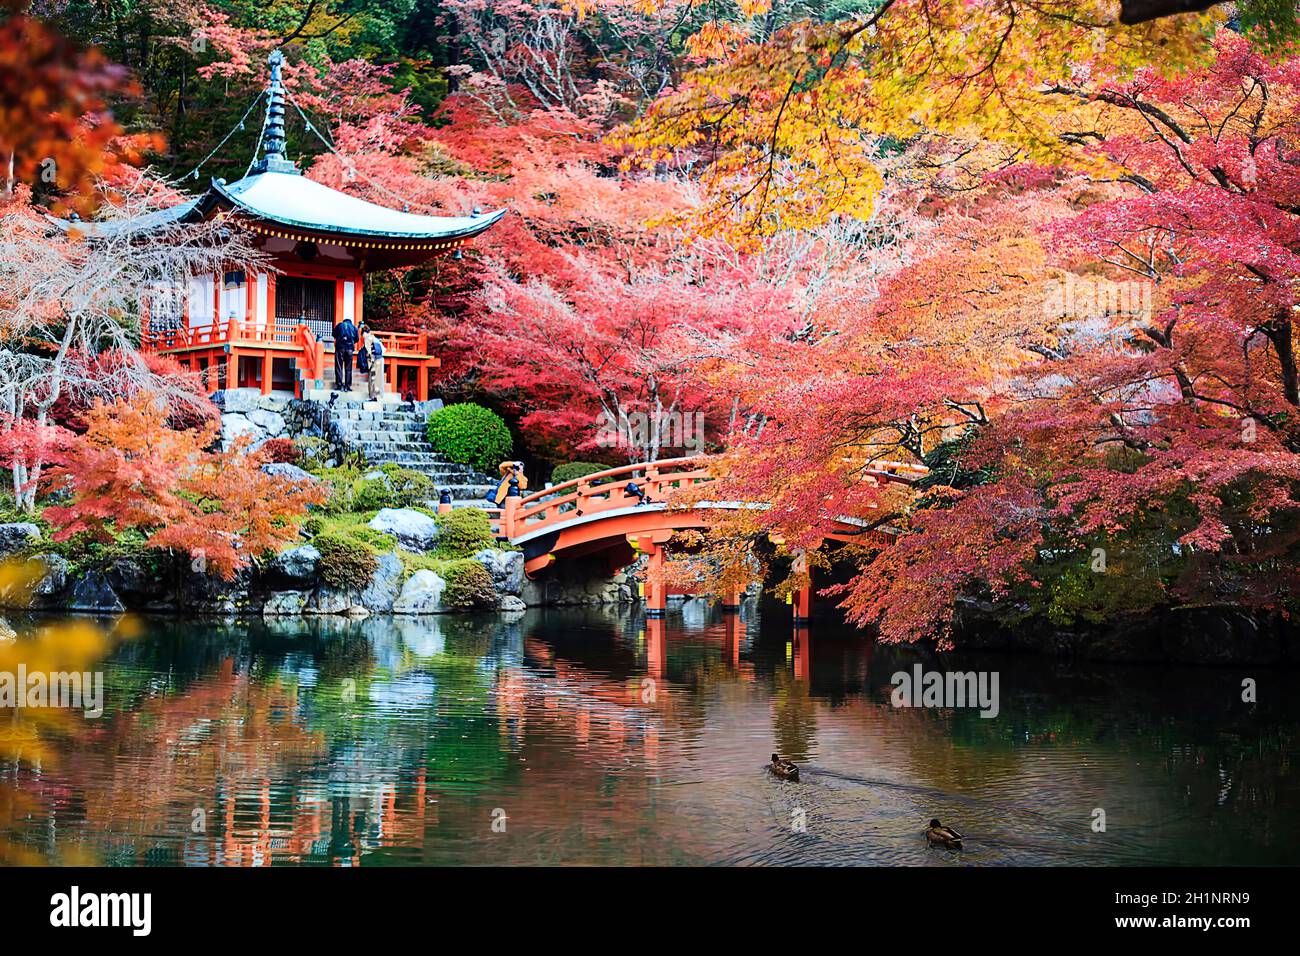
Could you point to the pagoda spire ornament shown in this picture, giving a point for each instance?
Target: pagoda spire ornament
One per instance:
(273, 159)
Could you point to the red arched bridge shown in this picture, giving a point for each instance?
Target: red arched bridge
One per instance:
(618, 513)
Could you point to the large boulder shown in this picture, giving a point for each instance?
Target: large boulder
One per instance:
(284, 603)
(385, 584)
(234, 427)
(137, 581)
(272, 423)
(16, 536)
(93, 594)
(295, 566)
(203, 592)
(510, 602)
(53, 581)
(413, 529)
(506, 568)
(282, 469)
(328, 600)
(421, 594)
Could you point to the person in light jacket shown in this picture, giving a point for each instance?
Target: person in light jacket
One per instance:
(375, 355)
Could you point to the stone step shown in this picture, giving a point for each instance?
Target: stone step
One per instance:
(381, 435)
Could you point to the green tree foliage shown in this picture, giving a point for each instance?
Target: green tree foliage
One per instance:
(575, 469)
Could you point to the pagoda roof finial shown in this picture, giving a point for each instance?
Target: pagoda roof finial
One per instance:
(273, 142)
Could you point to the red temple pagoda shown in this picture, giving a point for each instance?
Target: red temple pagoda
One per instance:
(273, 329)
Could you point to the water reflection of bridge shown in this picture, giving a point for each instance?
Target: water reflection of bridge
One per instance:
(237, 766)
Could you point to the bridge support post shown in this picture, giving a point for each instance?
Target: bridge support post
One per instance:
(803, 605)
(802, 598)
(656, 594)
(731, 602)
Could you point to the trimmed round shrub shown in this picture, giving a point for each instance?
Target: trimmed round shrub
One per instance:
(574, 469)
(470, 434)
(284, 450)
(469, 586)
(463, 533)
(345, 562)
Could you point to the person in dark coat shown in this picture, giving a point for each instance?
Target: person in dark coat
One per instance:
(345, 342)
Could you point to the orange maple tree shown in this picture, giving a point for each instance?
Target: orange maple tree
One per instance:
(130, 471)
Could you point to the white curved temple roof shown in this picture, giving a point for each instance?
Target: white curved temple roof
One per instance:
(296, 201)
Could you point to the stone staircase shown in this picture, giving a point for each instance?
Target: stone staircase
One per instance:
(392, 432)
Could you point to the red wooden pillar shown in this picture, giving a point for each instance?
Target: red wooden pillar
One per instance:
(803, 596)
(656, 595)
(731, 602)
(266, 369)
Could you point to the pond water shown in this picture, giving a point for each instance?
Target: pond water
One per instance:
(591, 737)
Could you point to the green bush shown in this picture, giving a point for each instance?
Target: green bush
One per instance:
(464, 532)
(371, 494)
(409, 488)
(574, 469)
(345, 561)
(469, 586)
(470, 434)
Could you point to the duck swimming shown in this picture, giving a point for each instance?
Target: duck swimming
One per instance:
(939, 835)
(783, 769)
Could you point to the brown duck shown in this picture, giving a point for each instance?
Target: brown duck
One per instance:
(939, 835)
(783, 769)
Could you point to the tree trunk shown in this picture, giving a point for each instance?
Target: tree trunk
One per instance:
(1279, 333)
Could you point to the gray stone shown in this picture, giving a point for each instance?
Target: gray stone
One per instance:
(207, 593)
(55, 577)
(510, 602)
(93, 593)
(234, 427)
(296, 564)
(283, 603)
(272, 423)
(237, 399)
(7, 633)
(275, 401)
(385, 584)
(413, 529)
(132, 579)
(506, 568)
(282, 469)
(421, 594)
(328, 600)
(17, 535)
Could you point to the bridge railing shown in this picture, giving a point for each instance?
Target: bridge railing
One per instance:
(601, 491)
(656, 481)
